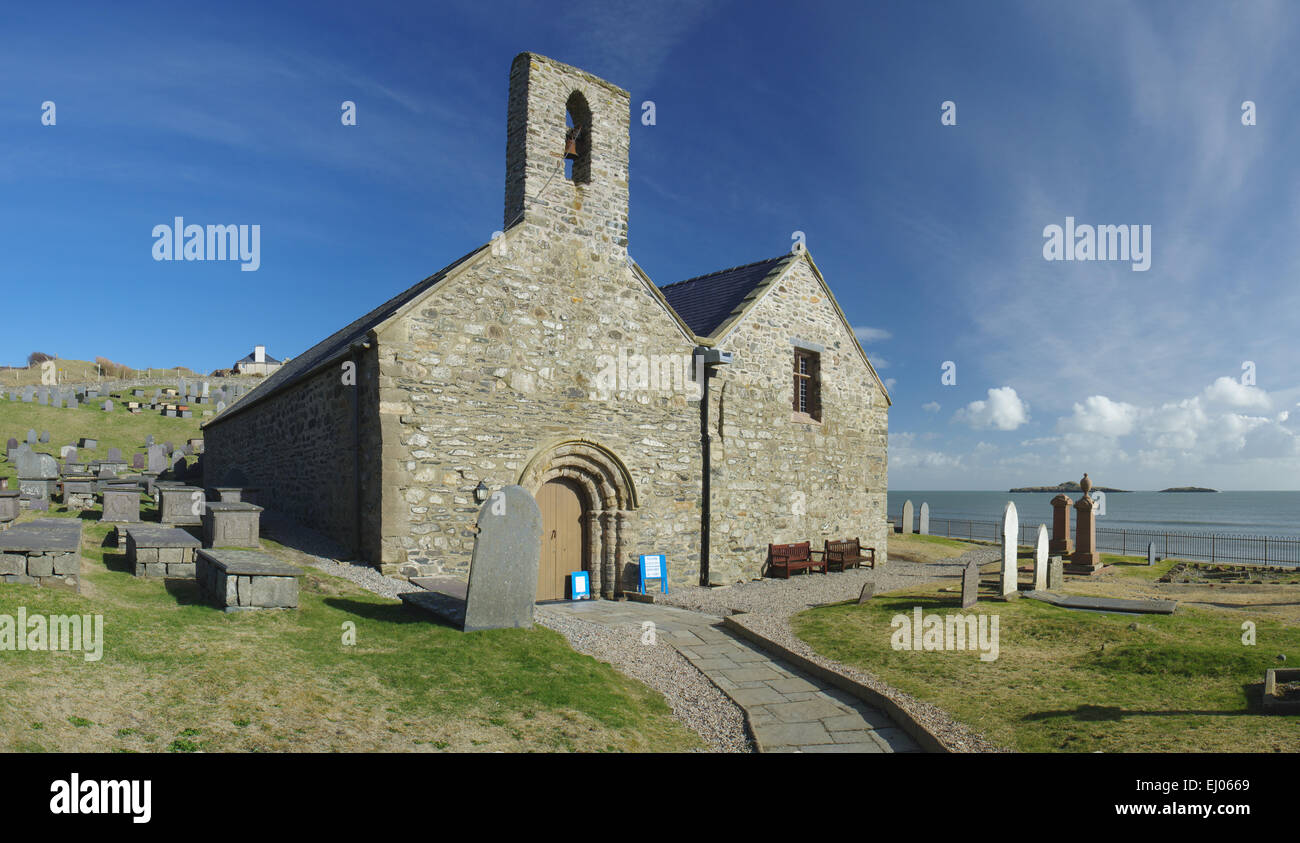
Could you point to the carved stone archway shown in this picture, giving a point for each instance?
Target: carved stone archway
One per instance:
(611, 498)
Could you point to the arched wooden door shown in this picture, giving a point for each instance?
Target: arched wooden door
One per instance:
(563, 550)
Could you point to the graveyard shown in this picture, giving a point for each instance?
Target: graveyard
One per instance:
(1083, 681)
(180, 675)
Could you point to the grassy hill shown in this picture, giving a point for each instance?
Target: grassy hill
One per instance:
(81, 371)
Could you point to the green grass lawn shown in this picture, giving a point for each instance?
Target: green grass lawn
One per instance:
(1079, 681)
(177, 675)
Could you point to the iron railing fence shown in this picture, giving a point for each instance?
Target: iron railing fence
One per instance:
(1208, 547)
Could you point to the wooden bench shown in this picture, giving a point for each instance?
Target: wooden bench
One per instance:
(792, 557)
(840, 555)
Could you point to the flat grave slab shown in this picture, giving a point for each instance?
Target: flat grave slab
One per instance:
(159, 551)
(237, 580)
(1105, 604)
(42, 552)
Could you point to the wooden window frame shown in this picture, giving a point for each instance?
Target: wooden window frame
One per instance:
(806, 401)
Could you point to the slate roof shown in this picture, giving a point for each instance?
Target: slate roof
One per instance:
(251, 359)
(707, 301)
(335, 345)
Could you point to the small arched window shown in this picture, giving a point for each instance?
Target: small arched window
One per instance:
(577, 121)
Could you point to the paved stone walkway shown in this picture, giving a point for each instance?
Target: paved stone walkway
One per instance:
(788, 710)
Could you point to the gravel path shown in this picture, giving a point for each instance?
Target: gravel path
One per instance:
(694, 700)
(770, 603)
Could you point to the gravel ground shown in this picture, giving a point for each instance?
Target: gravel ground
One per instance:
(694, 700)
(770, 603)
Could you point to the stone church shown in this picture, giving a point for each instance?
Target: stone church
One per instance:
(700, 420)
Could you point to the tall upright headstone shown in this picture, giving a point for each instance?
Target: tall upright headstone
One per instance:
(1151, 553)
(1061, 543)
(925, 519)
(970, 584)
(1007, 582)
(158, 460)
(1085, 559)
(1040, 559)
(503, 569)
(908, 516)
(1055, 573)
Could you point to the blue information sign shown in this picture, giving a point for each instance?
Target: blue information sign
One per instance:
(580, 585)
(654, 567)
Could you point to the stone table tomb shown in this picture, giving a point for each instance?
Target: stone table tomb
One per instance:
(155, 551)
(180, 504)
(42, 552)
(237, 580)
(232, 525)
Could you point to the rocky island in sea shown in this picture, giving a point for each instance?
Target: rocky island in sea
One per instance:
(1189, 489)
(1068, 486)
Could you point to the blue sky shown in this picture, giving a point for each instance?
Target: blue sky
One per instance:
(771, 118)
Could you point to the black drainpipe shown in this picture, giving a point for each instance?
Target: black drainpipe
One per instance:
(705, 505)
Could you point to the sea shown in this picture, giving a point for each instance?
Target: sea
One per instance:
(1235, 513)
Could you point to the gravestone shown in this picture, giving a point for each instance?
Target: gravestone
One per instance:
(907, 517)
(1010, 539)
(221, 405)
(148, 440)
(925, 519)
(11, 444)
(107, 406)
(158, 459)
(137, 462)
(92, 444)
(31, 437)
(1055, 573)
(1040, 559)
(114, 455)
(167, 448)
(68, 452)
(503, 570)
(868, 591)
(45, 437)
(1151, 553)
(970, 584)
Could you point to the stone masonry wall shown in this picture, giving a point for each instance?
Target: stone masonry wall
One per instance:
(300, 449)
(510, 359)
(775, 480)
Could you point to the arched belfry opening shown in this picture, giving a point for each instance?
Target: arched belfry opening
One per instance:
(577, 139)
(605, 498)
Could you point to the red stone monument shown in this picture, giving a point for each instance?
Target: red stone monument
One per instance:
(1085, 559)
(1061, 544)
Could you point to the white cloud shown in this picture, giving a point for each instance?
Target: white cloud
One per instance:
(866, 334)
(1003, 410)
(1099, 414)
(889, 383)
(931, 407)
(1234, 394)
